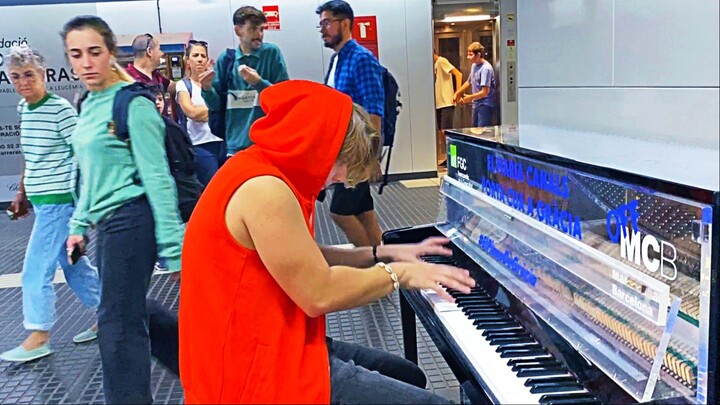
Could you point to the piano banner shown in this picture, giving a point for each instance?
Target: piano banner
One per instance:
(611, 257)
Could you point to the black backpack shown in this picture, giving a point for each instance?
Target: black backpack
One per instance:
(390, 113)
(178, 147)
(216, 118)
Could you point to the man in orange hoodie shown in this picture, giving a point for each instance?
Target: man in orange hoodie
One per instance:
(252, 306)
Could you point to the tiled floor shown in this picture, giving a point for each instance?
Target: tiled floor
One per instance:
(73, 373)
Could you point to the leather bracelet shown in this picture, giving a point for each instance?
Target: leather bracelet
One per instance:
(393, 276)
(374, 252)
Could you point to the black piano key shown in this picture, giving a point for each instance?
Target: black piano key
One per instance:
(507, 332)
(541, 371)
(531, 382)
(533, 363)
(524, 346)
(548, 398)
(486, 313)
(438, 259)
(517, 362)
(468, 299)
(489, 317)
(511, 354)
(490, 325)
(511, 340)
(575, 401)
(555, 387)
(473, 308)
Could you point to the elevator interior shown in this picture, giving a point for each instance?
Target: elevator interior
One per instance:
(457, 24)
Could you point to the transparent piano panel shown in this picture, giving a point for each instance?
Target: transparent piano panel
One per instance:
(619, 272)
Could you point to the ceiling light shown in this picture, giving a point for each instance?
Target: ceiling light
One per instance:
(472, 10)
(464, 18)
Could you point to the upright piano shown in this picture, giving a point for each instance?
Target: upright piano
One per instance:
(594, 285)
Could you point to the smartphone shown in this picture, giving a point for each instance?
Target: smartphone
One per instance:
(75, 255)
(77, 252)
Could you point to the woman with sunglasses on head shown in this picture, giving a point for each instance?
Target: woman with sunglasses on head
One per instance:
(129, 196)
(208, 147)
(48, 182)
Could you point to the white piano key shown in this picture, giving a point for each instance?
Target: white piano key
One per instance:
(503, 383)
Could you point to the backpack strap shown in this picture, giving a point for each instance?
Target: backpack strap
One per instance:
(227, 63)
(188, 84)
(121, 107)
(332, 60)
(81, 100)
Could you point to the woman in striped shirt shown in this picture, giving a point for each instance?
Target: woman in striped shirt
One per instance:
(48, 183)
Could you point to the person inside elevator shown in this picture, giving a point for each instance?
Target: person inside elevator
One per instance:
(241, 75)
(482, 84)
(128, 195)
(445, 75)
(208, 147)
(356, 72)
(268, 285)
(48, 182)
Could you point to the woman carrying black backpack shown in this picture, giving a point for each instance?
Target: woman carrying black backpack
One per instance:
(129, 196)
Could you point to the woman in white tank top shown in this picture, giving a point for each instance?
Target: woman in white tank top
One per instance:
(208, 147)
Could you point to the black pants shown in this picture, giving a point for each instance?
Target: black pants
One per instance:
(126, 256)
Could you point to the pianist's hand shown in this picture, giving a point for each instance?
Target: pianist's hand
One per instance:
(411, 253)
(419, 276)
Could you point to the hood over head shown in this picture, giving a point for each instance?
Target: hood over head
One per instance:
(302, 131)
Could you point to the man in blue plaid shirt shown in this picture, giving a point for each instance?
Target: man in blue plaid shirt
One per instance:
(356, 72)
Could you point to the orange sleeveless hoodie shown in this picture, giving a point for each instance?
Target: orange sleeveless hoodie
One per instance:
(242, 339)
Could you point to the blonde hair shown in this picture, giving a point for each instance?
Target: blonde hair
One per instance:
(477, 48)
(360, 148)
(120, 72)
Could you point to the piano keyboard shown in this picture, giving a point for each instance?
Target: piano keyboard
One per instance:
(513, 365)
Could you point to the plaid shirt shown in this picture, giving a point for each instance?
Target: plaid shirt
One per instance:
(358, 74)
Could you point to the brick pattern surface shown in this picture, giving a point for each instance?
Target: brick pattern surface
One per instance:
(73, 373)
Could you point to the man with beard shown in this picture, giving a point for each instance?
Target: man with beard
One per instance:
(235, 83)
(356, 72)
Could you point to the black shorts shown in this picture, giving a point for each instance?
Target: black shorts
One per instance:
(444, 117)
(352, 201)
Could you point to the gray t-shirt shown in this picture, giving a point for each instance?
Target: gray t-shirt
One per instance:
(480, 76)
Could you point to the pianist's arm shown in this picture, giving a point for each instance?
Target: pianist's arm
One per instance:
(363, 257)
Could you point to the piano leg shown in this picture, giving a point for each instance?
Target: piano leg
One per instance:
(407, 316)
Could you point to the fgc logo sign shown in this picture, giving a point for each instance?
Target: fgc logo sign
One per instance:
(637, 248)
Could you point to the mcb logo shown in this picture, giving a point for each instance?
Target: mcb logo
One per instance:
(638, 248)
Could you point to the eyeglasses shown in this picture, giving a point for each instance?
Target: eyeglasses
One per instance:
(195, 42)
(326, 22)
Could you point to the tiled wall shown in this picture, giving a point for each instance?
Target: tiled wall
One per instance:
(642, 69)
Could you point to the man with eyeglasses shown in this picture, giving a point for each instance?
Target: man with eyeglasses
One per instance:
(240, 75)
(355, 71)
(148, 55)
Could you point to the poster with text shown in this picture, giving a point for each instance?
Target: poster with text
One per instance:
(16, 29)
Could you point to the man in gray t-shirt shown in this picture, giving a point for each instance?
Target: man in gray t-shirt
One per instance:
(482, 83)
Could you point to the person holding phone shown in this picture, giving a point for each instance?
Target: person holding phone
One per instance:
(129, 196)
(48, 183)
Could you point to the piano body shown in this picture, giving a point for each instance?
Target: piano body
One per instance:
(594, 285)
